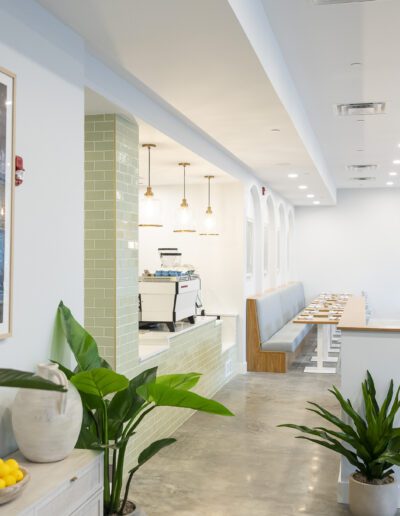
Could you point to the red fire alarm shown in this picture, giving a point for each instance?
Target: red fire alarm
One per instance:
(19, 170)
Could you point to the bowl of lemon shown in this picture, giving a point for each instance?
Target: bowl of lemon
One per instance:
(13, 479)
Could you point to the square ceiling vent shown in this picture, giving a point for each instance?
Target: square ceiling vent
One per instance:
(361, 108)
(329, 2)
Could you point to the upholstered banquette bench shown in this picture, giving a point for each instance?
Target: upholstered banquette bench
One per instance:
(273, 340)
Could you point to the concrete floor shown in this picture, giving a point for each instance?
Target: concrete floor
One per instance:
(245, 465)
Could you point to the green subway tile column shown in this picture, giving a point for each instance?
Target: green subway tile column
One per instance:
(111, 250)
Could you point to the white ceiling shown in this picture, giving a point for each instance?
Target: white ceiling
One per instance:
(165, 157)
(319, 44)
(195, 56)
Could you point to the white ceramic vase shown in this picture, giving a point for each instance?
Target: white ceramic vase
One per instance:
(46, 424)
(373, 500)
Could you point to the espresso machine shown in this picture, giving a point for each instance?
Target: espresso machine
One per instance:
(171, 293)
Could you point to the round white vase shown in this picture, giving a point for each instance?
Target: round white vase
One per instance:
(373, 500)
(46, 424)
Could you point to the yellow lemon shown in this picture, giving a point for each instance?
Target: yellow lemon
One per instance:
(2, 484)
(12, 464)
(18, 475)
(10, 480)
(4, 470)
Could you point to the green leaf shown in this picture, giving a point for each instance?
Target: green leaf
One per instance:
(68, 373)
(125, 403)
(164, 396)
(184, 381)
(154, 448)
(82, 344)
(88, 437)
(26, 380)
(99, 382)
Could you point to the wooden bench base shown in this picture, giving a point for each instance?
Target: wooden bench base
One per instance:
(257, 359)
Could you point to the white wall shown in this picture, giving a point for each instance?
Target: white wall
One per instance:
(353, 246)
(48, 231)
(218, 259)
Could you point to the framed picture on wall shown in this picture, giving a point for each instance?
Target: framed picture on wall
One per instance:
(249, 247)
(7, 160)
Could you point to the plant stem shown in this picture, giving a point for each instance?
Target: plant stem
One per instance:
(106, 458)
(117, 485)
(128, 484)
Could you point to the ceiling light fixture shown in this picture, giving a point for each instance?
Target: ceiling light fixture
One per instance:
(275, 130)
(184, 217)
(316, 202)
(310, 196)
(303, 187)
(389, 183)
(209, 222)
(293, 176)
(396, 162)
(392, 173)
(150, 208)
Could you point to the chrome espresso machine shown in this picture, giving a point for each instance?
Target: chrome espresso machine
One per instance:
(170, 294)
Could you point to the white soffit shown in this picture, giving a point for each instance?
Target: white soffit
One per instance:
(340, 54)
(196, 57)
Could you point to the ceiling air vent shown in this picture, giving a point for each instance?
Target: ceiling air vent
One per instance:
(361, 108)
(362, 169)
(329, 2)
(363, 178)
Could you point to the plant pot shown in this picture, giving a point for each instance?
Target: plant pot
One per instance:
(371, 499)
(46, 424)
(132, 509)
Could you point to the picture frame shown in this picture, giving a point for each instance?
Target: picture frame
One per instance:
(7, 185)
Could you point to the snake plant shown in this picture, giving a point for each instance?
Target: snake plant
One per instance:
(371, 441)
(114, 406)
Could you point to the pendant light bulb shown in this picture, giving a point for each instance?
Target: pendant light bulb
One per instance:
(209, 221)
(150, 208)
(184, 223)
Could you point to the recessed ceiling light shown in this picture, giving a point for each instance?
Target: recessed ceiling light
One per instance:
(356, 64)
(293, 176)
(310, 196)
(360, 150)
(396, 162)
(303, 187)
(275, 130)
(398, 145)
(392, 173)
(360, 120)
(389, 183)
(316, 202)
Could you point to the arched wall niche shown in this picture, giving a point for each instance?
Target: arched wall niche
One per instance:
(254, 239)
(269, 247)
(290, 252)
(281, 261)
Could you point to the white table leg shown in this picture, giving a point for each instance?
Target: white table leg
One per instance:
(323, 340)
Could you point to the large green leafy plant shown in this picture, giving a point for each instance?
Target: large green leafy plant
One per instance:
(371, 443)
(114, 407)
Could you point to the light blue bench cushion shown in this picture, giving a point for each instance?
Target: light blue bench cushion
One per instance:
(287, 338)
(269, 314)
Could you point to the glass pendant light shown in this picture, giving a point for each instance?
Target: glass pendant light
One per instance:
(149, 207)
(184, 223)
(209, 222)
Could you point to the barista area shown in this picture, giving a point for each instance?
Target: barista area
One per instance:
(170, 304)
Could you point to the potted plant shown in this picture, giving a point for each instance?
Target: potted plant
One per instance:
(114, 407)
(371, 443)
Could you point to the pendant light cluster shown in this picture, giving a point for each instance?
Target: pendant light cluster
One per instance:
(150, 209)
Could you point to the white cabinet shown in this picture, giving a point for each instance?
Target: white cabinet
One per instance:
(71, 487)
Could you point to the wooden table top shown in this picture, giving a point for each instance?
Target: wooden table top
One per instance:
(325, 309)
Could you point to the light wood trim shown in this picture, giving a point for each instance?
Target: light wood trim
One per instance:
(354, 319)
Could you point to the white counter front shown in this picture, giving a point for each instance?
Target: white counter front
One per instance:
(154, 342)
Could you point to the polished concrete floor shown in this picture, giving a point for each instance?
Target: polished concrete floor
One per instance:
(246, 465)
